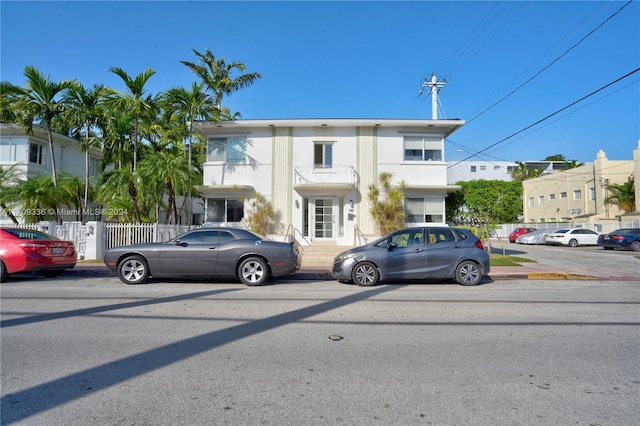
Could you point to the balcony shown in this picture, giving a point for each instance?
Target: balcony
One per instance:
(326, 177)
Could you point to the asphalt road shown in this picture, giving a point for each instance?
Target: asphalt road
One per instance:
(90, 350)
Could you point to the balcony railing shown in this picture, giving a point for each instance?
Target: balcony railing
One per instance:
(309, 175)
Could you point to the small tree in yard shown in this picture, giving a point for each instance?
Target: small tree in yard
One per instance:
(387, 203)
(261, 216)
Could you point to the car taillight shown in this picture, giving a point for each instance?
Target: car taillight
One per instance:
(478, 244)
(33, 247)
(617, 237)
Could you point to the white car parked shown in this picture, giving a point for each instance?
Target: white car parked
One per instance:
(573, 237)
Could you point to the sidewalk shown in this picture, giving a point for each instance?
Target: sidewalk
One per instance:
(533, 271)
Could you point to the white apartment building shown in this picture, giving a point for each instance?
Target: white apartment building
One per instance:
(577, 195)
(465, 171)
(316, 172)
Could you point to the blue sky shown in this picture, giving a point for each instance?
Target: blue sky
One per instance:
(368, 60)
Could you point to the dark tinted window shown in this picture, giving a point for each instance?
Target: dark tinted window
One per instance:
(440, 235)
(25, 234)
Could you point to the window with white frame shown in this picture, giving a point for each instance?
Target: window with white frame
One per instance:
(563, 195)
(422, 148)
(421, 210)
(552, 197)
(323, 154)
(37, 153)
(483, 168)
(224, 210)
(531, 202)
(541, 199)
(496, 168)
(473, 169)
(94, 165)
(12, 150)
(592, 194)
(577, 194)
(231, 149)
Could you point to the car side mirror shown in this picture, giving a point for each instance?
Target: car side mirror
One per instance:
(392, 245)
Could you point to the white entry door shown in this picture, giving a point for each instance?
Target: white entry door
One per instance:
(322, 218)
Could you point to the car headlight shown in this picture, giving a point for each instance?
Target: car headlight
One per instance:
(344, 256)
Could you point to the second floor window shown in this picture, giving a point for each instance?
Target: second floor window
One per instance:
(229, 149)
(322, 155)
(419, 148)
(37, 153)
(577, 194)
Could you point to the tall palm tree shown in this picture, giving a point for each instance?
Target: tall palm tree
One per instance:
(9, 180)
(216, 74)
(84, 112)
(141, 106)
(36, 103)
(189, 106)
(169, 172)
(622, 195)
(522, 172)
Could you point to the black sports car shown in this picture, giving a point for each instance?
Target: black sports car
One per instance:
(206, 253)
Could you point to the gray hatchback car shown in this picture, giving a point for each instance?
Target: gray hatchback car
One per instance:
(415, 254)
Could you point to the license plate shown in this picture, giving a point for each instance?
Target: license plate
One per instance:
(57, 250)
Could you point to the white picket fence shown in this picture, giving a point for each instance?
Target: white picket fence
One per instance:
(122, 234)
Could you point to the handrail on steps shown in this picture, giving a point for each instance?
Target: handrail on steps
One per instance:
(291, 232)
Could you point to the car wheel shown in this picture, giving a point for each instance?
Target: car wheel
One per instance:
(133, 270)
(4, 276)
(573, 242)
(635, 246)
(365, 274)
(53, 274)
(468, 273)
(253, 271)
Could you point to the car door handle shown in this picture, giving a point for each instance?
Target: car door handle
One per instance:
(212, 248)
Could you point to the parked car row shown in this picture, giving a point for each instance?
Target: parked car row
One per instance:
(418, 253)
(620, 239)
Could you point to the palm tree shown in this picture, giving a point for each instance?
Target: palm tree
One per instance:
(9, 181)
(572, 164)
(216, 75)
(623, 196)
(72, 190)
(84, 112)
(36, 103)
(523, 173)
(40, 198)
(141, 106)
(171, 173)
(121, 183)
(386, 201)
(189, 106)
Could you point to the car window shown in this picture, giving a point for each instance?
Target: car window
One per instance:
(25, 234)
(408, 237)
(225, 236)
(461, 234)
(200, 237)
(440, 236)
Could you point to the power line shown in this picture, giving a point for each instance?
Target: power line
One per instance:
(552, 62)
(551, 115)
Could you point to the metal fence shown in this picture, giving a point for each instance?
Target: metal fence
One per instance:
(122, 234)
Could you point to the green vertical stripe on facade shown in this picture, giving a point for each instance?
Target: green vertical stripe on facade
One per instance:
(282, 173)
(367, 166)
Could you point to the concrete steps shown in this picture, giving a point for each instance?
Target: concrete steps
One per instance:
(320, 254)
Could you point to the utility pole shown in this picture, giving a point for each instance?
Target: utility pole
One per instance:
(434, 87)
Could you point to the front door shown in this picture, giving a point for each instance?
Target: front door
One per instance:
(322, 218)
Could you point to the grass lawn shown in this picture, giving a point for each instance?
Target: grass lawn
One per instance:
(504, 260)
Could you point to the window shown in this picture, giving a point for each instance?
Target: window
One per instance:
(473, 169)
(94, 164)
(541, 199)
(552, 196)
(592, 194)
(12, 150)
(37, 153)
(230, 149)
(424, 210)
(531, 204)
(418, 148)
(563, 195)
(322, 155)
(577, 194)
(483, 168)
(441, 235)
(224, 210)
(511, 169)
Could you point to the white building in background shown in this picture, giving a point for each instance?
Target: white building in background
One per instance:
(316, 172)
(465, 171)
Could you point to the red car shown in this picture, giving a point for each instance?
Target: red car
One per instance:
(24, 250)
(519, 231)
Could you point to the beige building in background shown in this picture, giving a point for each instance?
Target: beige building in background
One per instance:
(577, 195)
